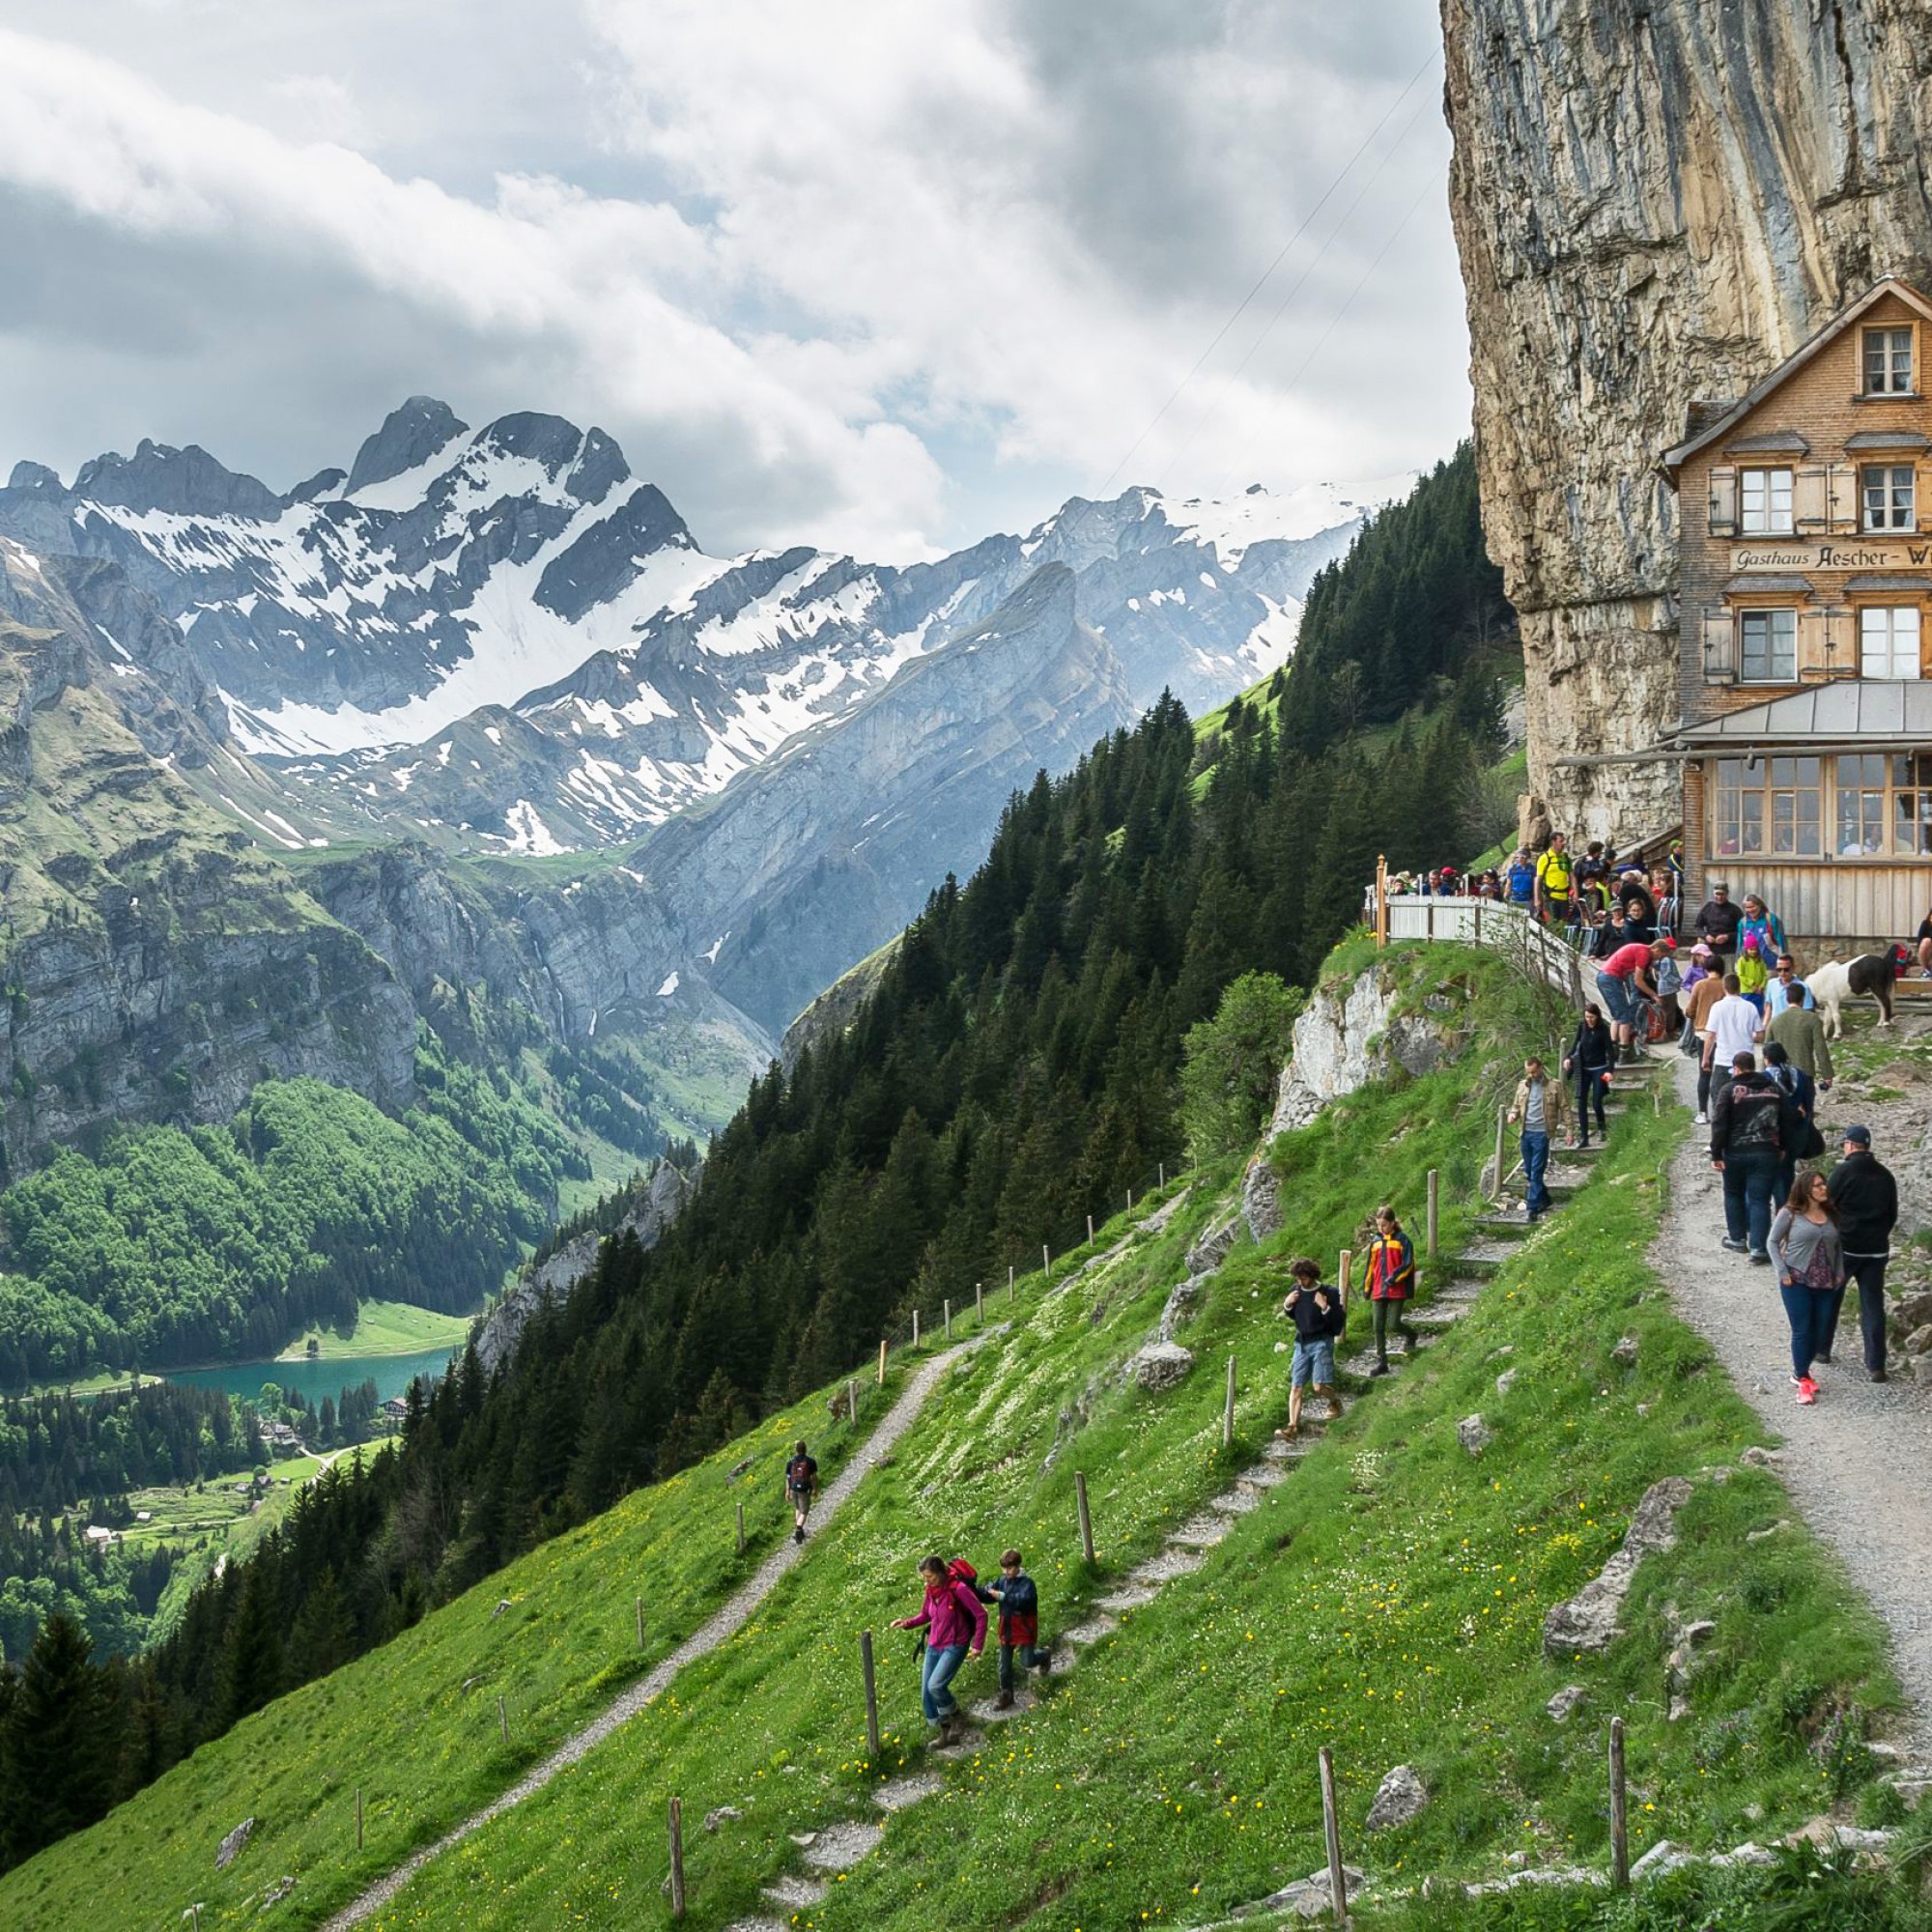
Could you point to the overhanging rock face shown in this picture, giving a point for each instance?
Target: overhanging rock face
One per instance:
(1652, 209)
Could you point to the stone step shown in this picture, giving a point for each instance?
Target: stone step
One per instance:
(1129, 1597)
(797, 1894)
(1201, 1532)
(1490, 1253)
(1425, 1318)
(1263, 1476)
(1234, 1502)
(1172, 1563)
(1091, 1632)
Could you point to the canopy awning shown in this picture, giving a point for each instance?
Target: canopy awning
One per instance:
(1842, 712)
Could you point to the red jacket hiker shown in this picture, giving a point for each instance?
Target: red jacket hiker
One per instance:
(1391, 1268)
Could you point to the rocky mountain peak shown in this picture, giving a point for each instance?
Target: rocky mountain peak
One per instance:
(410, 435)
(185, 482)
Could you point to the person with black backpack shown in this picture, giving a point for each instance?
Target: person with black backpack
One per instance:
(1802, 1090)
(801, 1487)
(1752, 1123)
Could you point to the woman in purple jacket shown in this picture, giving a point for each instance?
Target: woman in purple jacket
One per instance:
(954, 1625)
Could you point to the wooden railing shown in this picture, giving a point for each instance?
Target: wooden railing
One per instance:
(1536, 950)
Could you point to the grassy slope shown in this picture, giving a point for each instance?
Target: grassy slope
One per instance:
(1389, 1598)
(382, 1328)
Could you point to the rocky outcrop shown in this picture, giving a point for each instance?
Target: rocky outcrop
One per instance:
(1654, 201)
(1399, 1798)
(1348, 1036)
(1589, 1620)
(660, 1202)
(1160, 1365)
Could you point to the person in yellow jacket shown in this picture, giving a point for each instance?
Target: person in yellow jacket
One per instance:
(1556, 882)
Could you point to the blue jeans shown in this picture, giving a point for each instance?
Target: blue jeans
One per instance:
(1618, 999)
(1750, 1179)
(1811, 1312)
(936, 1672)
(1535, 1158)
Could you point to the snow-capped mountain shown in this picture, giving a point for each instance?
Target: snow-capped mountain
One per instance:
(504, 636)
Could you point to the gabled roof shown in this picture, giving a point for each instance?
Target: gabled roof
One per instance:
(1859, 711)
(1714, 427)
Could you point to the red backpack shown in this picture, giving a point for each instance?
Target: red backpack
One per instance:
(959, 1571)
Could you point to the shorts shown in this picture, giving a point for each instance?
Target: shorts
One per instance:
(1313, 1362)
(1619, 998)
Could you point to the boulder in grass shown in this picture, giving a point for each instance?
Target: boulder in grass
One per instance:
(1561, 1706)
(1399, 1798)
(230, 1848)
(1161, 1365)
(1474, 1434)
(1589, 1620)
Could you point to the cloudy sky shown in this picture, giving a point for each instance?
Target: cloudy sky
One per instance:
(879, 273)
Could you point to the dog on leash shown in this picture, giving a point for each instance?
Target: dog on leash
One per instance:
(1871, 973)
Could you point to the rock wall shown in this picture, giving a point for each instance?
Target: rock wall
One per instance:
(1655, 201)
(1344, 1038)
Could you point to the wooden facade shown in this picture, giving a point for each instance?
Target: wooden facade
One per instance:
(1805, 631)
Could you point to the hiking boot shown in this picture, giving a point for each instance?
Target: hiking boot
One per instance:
(1407, 1342)
(1759, 1259)
(1334, 1407)
(1042, 1660)
(1736, 1248)
(1292, 1433)
(1379, 1369)
(1877, 1375)
(1004, 1701)
(798, 1534)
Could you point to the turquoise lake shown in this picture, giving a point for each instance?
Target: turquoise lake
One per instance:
(313, 1381)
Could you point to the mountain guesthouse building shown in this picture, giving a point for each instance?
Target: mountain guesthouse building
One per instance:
(1806, 630)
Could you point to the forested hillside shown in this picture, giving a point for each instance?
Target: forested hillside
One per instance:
(1014, 1069)
(173, 1245)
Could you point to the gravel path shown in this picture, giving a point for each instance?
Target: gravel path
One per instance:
(724, 1624)
(1850, 1462)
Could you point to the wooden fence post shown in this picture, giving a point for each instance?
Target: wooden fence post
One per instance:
(1331, 1831)
(1163, 1174)
(502, 1719)
(1345, 1267)
(1009, 1280)
(1502, 1128)
(1130, 1201)
(1434, 1205)
(1381, 899)
(872, 1696)
(640, 1623)
(676, 1858)
(1045, 1261)
(1090, 1230)
(1086, 1520)
(1620, 1866)
(881, 1361)
(949, 1318)
(914, 1327)
(979, 1299)
(852, 1402)
(741, 1529)
(1228, 1413)
(359, 1817)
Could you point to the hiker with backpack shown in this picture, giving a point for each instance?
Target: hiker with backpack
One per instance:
(1018, 1598)
(955, 1629)
(1319, 1317)
(1802, 1090)
(1391, 1258)
(801, 1487)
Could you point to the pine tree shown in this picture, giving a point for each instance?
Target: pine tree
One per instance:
(60, 1742)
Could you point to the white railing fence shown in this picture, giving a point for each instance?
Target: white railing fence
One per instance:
(1536, 950)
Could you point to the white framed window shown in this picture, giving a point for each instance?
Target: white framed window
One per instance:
(1887, 361)
(1771, 806)
(1888, 640)
(1888, 495)
(1768, 647)
(1764, 502)
(1885, 804)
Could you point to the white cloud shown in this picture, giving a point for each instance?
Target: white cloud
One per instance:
(843, 267)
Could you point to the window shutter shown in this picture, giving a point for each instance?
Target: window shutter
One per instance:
(1841, 485)
(1922, 496)
(1811, 497)
(1840, 641)
(1811, 636)
(1724, 501)
(1918, 375)
(1720, 647)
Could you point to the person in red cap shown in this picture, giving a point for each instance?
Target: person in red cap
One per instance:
(1626, 974)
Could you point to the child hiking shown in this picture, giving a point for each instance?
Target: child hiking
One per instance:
(1319, 1316)
(800, 1486)
(955, 1628)
(1391, 1285)
(1013, 1590)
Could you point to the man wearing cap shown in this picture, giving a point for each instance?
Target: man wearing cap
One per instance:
(1865, 1196)
(1626, 974)
(1717, 923)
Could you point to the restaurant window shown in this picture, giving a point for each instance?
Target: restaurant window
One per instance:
(1772, 806)
(1768, 646)
(1764, 502)
(1887, 361)
(1885, 804)
(1888, 640)
(1888, 489)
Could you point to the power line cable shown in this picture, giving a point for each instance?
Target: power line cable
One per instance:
(1241, 307)
(1300, 281)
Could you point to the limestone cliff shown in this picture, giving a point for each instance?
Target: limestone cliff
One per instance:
(1655, 201)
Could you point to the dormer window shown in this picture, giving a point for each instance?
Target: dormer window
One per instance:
(1887, 361)
(1764, 502)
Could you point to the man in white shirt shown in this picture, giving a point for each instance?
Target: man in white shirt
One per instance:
(1732, 1027)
